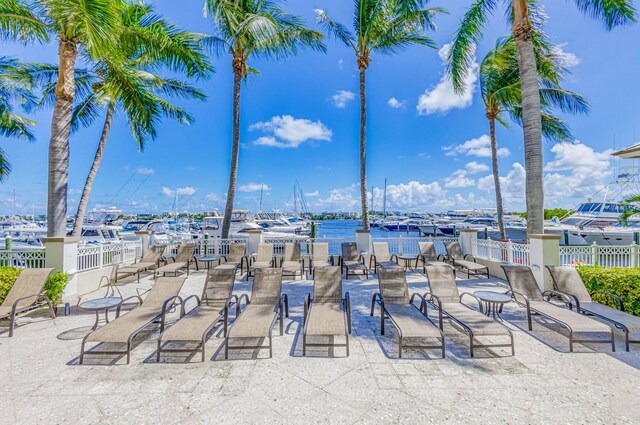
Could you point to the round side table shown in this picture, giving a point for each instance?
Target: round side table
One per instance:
(493, 302)
(100, 304)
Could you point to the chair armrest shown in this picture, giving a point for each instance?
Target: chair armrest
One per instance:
(515, 298)
(476, 298)
(397, 260)
(438, 305)
(566, 297)
(443, 258)
(361, 259)
(347, 305)
(471, 256)
(307, 304)
(168, 304)
(285, 299)
(372, 259)
(376, 296)
(614, 296)
(14, 307)
(184, 302)
(137, 297)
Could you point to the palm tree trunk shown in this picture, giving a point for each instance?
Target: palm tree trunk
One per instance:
(235, 149)
(59, 142)
(496, 178)
(97, 160)
(531, 117)
(363, 151)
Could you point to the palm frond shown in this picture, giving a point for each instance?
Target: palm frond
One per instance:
(19, 22)
(611, 13)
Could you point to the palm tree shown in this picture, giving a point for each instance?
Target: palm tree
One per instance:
(91, 25)
(14, 88)
(501, 93)
(523, 15)
(245, 29)
(385, 27)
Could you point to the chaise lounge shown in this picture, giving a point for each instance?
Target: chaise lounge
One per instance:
(457, 259)
(292, 261)
(236, 258)
(183, 260)
(319, 256)
(351, 261)
(262, 260)
(149, 260)
(429, 257)
(382, 258)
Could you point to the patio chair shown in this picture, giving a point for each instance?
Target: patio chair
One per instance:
(351, 261)
(429, 257)
(567, 280)
(525, 292)
(212, 308)
(320, 256)
(150, 259)
(26, 294)
(327, 314)
(292, 261)
(262, 260)
(457, 259)
(159, 301)
(381, 257)
(267, 304)
(183, 260)
(398, 306)
(236, 258)
(444, 294)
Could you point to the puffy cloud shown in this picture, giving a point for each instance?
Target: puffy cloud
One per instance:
(254, 187)
(342, 97)
(474, 167)
(512, 185)
(181, 191)
(442, 97)
(395, 103)
(458, 179)
(214, 197)
(314, 193)
(145, 171)
(480, 147)
(289, 132)
(566, 59)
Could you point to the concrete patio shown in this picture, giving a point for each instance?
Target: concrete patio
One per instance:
(544, 383)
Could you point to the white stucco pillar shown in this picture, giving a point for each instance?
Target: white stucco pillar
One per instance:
(62, 255)
(544, 250)
(363, 240)
(145, 236)
(468, 238)
(255, 238)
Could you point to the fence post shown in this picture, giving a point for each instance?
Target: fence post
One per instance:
(634, 255)
(544, 251)
(255, 237)
(100, 256)
(468, 241)
(510, 251)
(145, 237)
(62, 254)
(363, 240)
(594, 254)
(400, 245)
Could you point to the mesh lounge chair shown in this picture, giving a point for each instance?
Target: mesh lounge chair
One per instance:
(381, 257)
(148, 261)
(212, 308)
(262, 260)
(444, 294)
(351, 261)
(526, 293)
(457, 259)
(397, 305)
(26, 293)
(182, 260)
(429, 257)
(327, 314)
(236, 257)
(292, 261)
(568, 281)
(159, 300)
(261, 313)
(320, 256)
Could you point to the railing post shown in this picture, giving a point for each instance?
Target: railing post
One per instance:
(62, 254)
(100, 256)
(544, 251)
(594, 254)
(633, 261)
(255, 238)
(510, 251)
(469, 241)
(145, 237)
(400, 245)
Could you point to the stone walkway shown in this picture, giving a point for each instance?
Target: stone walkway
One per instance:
(543, 383)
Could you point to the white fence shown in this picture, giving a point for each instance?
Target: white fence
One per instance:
(98, 256)
(23, 259)
(402, 245)
(509, 252)
(606, 256)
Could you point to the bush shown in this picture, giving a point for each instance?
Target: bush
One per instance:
(55, 284)
(624, 282)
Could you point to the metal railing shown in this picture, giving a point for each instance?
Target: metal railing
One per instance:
(403, 245)
(606, 256)
(23, 259)
(508, 252)
(99, 256)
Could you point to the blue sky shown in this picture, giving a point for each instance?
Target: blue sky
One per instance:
(300, 118)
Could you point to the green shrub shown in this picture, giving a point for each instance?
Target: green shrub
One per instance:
(55, 284)
(623, 282)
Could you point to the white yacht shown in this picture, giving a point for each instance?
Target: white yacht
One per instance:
(241, 223)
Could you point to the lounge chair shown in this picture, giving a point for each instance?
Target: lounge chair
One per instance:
(266, 305)
(183, 260)
(351, 261)
(26, 293)
(236, 258)
(159, 300)
(292, 261)
(212, 308)
(320, 256)
(262, 260)
(429, 257)
(444, 294)
(398, 306)
(457, 259)
(525, 292)
(327, 314)
(568, 280)
(381, 257)
(150, 260)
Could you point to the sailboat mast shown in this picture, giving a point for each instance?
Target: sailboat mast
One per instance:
(384, 200)
(295, 199)
(261, 191)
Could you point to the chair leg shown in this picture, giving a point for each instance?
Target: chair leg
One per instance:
(400, 347)
(158, 352)
(304, 344)
(52, 312)
(12, 324)
(226, 348)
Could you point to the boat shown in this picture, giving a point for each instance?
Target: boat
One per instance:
(241, 223)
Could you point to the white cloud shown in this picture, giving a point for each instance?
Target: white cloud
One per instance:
(188, 191)
(342, 97)
(311, 194)
(214, 197)
(145, 171)
(567, 59)
(254, 187)
(290, 132)
(168, 191)
(395, 103)
(340, 63)
(480, 147)
(340, 199)
(474, 167)
(442, 97)
(458, 179)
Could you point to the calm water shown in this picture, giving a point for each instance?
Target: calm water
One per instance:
(347, 229)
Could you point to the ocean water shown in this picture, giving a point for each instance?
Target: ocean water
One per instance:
(347, 229)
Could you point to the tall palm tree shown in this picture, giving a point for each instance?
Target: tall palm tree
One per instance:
(88, 24)
(501, 93)
(385, 27)
(15, 88)
(523, 14)
(245, 29)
